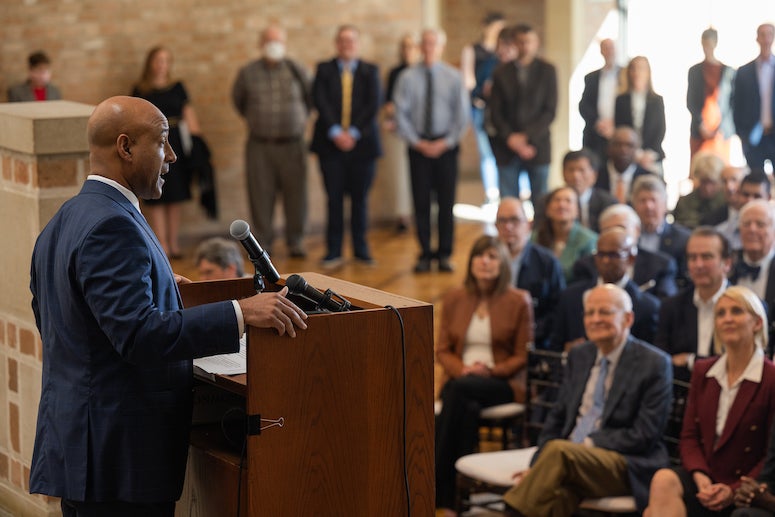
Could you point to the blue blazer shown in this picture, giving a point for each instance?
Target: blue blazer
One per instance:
(635, 412)
(115, 405)
(365, 103)
(541, 275)
(747, 102)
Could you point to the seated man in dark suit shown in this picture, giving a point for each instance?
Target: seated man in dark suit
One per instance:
(615, 255)
(649, 199)
(533, 267)
(654, 272)
(686, 320)
(603, 436)
(725, 218)
(579, 169)
(754, 267)
(618, 173)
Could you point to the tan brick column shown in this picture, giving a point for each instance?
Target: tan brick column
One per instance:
(43, 162)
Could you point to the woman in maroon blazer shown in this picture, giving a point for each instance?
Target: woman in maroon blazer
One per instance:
(486, 326)
(728, 415)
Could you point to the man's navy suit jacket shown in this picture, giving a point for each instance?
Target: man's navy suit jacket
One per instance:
(115, 405)
(635, 412)
(364, 105)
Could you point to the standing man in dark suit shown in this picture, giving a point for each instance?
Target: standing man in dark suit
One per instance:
(522, 107)
(754, 267)
(615, 256)
(115, 406)
(754, 101)
(649, 199)
(686, 320)
(432, 114)
(620, 170)
(533, 268)
(346, 94)
(603, 437)
(598, 101)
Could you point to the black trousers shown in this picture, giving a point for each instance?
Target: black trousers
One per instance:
(116, 509)
(434, 176)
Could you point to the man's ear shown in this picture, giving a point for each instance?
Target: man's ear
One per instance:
(124, 146)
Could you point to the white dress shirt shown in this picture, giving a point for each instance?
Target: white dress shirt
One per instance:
(760, 285)
(752, 372)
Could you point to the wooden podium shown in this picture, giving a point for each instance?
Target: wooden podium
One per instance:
(357, 428)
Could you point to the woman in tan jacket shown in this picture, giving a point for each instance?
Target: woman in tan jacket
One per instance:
(486, 326)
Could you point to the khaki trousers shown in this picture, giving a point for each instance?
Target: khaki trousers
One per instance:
(564, 474)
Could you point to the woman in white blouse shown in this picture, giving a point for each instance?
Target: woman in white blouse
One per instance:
(728, 415)
(644, 111)
(486, 326)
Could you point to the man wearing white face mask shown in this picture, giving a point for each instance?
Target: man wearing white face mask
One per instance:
(273, 95)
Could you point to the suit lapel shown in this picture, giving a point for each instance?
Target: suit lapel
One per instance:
(708, 410)
(627, 364)
(744, 396)
(587, 361)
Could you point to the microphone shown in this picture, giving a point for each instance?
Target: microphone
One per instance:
(240, 230)
(297, 285)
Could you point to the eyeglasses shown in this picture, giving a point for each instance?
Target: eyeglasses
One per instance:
(503, 221)
(612, 255)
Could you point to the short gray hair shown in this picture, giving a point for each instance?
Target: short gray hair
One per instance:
(649, 183)
(221, 252)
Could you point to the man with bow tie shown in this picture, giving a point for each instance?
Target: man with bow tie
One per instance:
(754, 265)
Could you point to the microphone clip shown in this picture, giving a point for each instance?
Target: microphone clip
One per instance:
(330, 298)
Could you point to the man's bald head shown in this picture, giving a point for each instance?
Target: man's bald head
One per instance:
(119, 115)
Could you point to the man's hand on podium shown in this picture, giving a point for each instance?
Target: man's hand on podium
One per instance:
(273, 310)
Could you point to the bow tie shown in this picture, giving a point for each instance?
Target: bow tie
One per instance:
(745, 269)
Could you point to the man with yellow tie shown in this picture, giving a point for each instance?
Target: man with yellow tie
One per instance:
(347, 96)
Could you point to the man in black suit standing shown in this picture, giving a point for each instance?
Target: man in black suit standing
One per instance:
(603, 437)
(615, 256)
(347, 96)
(522, 107)
(686, 320)
(754, 101)
(620, 170)
(533, 268)
(649, 199)
(598, 101)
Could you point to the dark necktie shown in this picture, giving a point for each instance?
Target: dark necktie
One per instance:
(747, 270)
(587, 422)
(428, 115)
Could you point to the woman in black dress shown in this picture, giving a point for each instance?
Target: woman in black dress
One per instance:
(157, 87)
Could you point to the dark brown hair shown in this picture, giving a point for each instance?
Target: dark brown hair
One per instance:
(482, 244)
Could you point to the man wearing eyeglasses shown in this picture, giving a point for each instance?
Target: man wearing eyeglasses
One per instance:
(615, 255)
(533, 267)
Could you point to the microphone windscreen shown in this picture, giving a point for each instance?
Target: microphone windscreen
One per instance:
(296, 284)
(239, 229)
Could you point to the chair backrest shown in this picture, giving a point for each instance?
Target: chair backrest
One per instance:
(672, 433)
(544, 375)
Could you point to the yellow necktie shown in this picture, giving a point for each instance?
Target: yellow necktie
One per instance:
(347, 95)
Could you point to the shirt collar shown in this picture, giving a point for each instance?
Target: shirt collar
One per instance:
(764, 263)
(713, 299)
(752, 372)
(116, 185)
(613, 356)
(352, 64)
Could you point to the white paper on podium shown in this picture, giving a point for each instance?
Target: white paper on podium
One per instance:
(224, 364)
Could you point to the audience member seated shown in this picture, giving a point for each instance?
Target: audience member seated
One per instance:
(617, 174)
(533, 267)
(218, 259)
(649, 199)
(560, 231)
(486, 326)
(579, 169)
(653, 272)
(615, 255)
(728, 416)
(686, 319)
(643, 110)
(603, 437)
(725, 218)
(707, 196)
(754, 497)
(754, 267)
(38, 85)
